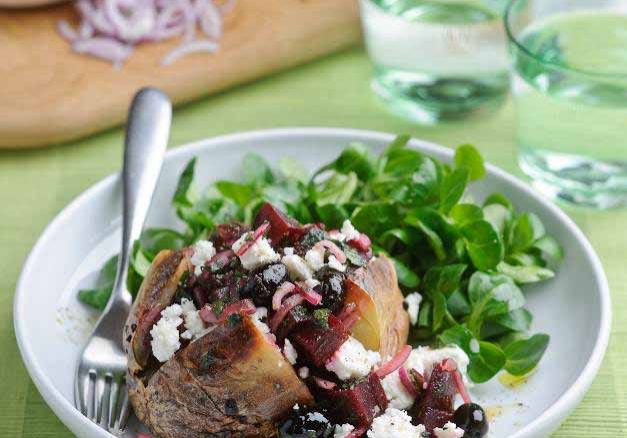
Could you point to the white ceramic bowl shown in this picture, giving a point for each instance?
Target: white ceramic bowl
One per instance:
(51, 325)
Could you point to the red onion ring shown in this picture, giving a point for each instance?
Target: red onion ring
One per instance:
(333, 249)
(395, 363)
(310, 295)
(246, 307)
(285, 289)
(280, 314)
(349, 315)
(256, 236)
(461, 387)
(406, 381)
(324, 384)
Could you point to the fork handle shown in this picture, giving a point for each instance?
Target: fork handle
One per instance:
(145, 144)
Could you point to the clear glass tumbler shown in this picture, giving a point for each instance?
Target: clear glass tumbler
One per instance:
(570, 91)
(437, 59)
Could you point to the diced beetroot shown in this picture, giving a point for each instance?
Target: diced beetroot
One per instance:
(281, 226)
(141, 342)
(435, 407)
(294, 318)
(317, 343)
(224, 236)
(359, 404)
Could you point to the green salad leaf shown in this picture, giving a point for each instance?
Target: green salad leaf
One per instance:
(469, 260)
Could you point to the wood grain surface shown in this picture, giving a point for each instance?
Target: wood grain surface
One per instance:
(48, 94)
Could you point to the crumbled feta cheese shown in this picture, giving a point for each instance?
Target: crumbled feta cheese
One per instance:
(165, 333)
(194, 324)
(290, 352)
(335, 264)
(395, 391)
(315, 258)
(303, 372)
(258, 254)
(353, 360)
(394, 424)
(413, 301)
(261, 313)
(423, 359)
(296, 407)
(203, 252)
(349, 231)
(343, 431)
(450, 430)
(317, 416)
(297, 268)
(288, 250)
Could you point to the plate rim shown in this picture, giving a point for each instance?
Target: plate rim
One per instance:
(555, 414)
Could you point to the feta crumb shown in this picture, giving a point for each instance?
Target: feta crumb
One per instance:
(335, 264)
(413, 301)
(290, 352)
(394, 423)
(296, 407)
(352, 360)
(450, 430)
(296, 267)
(423, 359)
(288, 250)
(317, 416)
(474, 346)
(165, 333)
(343, 431)
(349, 231)
(203, 252)
(303, 372)
(261, 313)
(315, 258)
(258, 254)
(194, 324)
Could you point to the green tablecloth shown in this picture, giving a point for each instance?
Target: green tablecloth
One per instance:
(36, 185)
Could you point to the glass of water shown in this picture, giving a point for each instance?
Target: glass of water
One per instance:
(570, 91)
(437, 59)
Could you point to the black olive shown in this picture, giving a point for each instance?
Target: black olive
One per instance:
(471, 418)
(264, 282)
(331, 287)
(306, 423)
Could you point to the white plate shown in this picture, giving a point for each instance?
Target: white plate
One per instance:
(51, 325)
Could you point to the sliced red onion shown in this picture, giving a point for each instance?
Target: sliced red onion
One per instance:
(324, 384)
(125, 23)
(207, 314)
(406, 382)
(285, 289)
(349, 315)
(280, 314)
(333, 249)
(104, 48)
(67, 31)
(246, 307)
(362, 243)
(358, 432)
(461, 388)
(310, 295)
(395, 363)
(255, 237)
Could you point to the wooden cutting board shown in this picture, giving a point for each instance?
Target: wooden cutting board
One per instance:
(48, 94)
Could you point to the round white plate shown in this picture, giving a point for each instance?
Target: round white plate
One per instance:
(51, 325)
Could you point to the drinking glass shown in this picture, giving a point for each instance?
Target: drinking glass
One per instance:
(437, 59)
(570, 92)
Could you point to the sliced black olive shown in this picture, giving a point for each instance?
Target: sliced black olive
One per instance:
(331, 287)
(264, 282)
(306, 423)
(471, 418)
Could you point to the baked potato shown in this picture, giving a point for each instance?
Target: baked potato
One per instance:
(229, 382)
(383, 323)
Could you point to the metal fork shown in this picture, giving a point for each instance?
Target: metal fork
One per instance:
(100, 391)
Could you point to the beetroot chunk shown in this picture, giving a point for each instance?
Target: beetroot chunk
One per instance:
(224, 236)
(317, 343)
(359, 404)
(282, 227)
(435, 407)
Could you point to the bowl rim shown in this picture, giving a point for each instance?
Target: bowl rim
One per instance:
(553, 415)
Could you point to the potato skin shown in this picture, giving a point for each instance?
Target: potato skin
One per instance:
(384, 323)
(231, 382)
